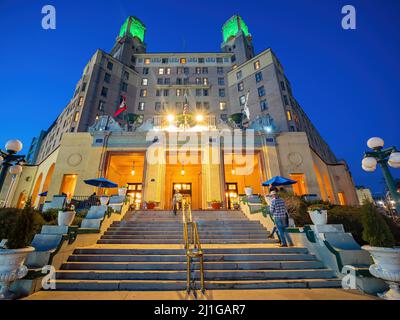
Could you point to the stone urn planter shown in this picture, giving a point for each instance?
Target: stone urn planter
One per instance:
(248, 191)
(386, 267)
(12, 268)
(122, 191)
(65, 218)
(104, 200)
(319, 217)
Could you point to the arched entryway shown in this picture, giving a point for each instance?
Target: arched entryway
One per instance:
(46, 184)
(35, 191)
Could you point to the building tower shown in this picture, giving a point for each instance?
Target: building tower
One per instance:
(237, 40)
(130, 41)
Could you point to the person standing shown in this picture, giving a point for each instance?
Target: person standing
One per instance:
(281, 218)
(176, 200)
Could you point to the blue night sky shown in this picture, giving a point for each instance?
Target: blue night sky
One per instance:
(346, 81)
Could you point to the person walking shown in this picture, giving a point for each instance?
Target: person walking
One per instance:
(176, 200)
(281, 218)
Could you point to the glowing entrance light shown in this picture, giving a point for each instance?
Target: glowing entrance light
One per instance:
(170, 118)
(199, 118)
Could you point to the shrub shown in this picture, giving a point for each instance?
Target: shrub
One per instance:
(297, 209)
(50, 215)
(23, 229)
(318, 207)
(376, 231)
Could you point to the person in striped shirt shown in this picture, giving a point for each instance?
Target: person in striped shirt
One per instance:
(281, 218)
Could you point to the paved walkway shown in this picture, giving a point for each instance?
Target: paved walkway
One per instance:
(274, 294)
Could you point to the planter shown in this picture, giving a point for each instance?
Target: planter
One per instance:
(386, 267)
(104, 200)
(248, 191)
(122, 192)
(151, 205)
(12, 268)
(216, 205)
(65, 218)
(319, 217)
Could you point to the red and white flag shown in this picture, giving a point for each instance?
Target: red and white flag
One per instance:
(122, 107)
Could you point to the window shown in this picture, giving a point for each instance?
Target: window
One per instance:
(285, 98)
(198, 105)
(234, 67)
(104, 92)
(240, 86)
(182, 60)
(80, 103)
(145, 70)
(164, 60)
(186, 70)
(166, 93)
(259, 77)
(157, 106)
(198, 70)
(186, 81)
(233, 58)
(219, 60)
(239, 74)
(257, 65)
(107, 78)
(124, 86)
(222, 106)
(147, 61)
(178, 92)
(101, 105)
(145, 81)
(300, 187)
(161, 71)
(179, 70)
(158, 92)
(126, 75)
(178, 80)
(141, 106)
(178, 105)
(242, 100)
(198, 80)
(198, 92)
(110, 65)
(206, 105)
(283, 86)
(289, 115)
(168, 71)
(205, 70)
(221, 81)
(76, 117)
(143, 93)
(261, 91)
(83, 87)
(220, 70)
(205, 81)
(165, 105)
(201, 60)
(205, 92)
(160, 80)
(263, 105)
(222, 93)
(342, 198)
(167, 81)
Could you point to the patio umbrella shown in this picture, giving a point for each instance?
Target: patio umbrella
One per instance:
(101, 183)
(43, 194)
(279, 181)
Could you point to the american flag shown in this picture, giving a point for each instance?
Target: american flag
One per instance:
(186, 105)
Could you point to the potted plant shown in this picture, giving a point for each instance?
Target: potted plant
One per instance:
(318, 214)
(216, 205)
(381, 248)
(67, 215)
(248, 190)
(151, 205)
(15, 251)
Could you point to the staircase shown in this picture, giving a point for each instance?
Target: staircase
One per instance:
(145, 252)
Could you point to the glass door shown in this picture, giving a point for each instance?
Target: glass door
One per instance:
(231, 194)
(134, 194)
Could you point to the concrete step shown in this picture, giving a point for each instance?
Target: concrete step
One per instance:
(179, 223)
(180, 241)
(272, 265)
(182, 258)
(226, 275)
(180, 232)
(180, 236)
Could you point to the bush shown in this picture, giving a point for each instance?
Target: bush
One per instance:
(50, 215)
(376, 231)
(297, 209)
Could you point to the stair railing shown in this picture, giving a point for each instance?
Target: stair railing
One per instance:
(192, 248)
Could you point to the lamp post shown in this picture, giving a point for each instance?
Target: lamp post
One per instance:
(10, 161)
(383, 157)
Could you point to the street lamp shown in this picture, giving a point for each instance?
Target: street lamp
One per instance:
(383, 157)
(10, 161)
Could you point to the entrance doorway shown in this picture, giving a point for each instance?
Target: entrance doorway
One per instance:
(231, 195)
(185, 189)
(134, 194)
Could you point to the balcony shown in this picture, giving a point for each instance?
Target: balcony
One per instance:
(194, 123)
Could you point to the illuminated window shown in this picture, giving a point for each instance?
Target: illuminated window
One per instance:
(242, 100)
(239, 74)
(300, 187)
(205, 81)
(145, 81)
(289, 115)
(68, 184)
(198, 70)
(167, 70)
(222, 106)
(147, 61)
(101, 105)
(342, 198)
(76, 117)
(80, 103)
(234, 66)
(141, 106)
(143, 93)
(178, 92)
(183, 60)
(160, 71)
(240, 86)
(257, 65)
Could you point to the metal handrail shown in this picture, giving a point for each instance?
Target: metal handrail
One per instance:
(192, 247)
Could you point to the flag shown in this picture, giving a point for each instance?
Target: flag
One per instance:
(186, 105)
(246, 110)
(122, 107)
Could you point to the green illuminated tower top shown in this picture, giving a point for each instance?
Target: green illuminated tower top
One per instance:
(134, 27)
(232, 27)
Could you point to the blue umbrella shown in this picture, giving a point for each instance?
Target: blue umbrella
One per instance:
(279, 181)
(101, 183)
(43, 194)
